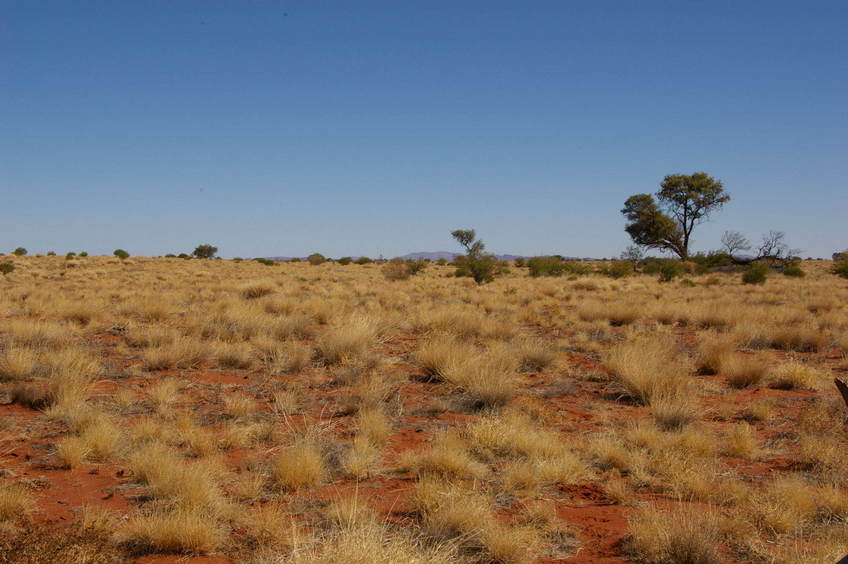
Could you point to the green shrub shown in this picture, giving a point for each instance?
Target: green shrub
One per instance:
(794, 270)
(344, 261)
(266, 262)
(295, 259)
(520, 262)
(363, 260)
(840, 264)
(184, 256)
(51, 253)
(442, 261)
(121, 254)
(70, 255)
(316, 258)
(756, 273)
(19, 252)
(170, 255)
(476, 264)
(619, 269)
(6, 268)
(205, 251)
(547, 266)
(669, 270)
(83, 254)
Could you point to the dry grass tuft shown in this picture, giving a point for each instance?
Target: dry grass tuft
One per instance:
(176, 531)
(15, 501)
(297, 466)
(682, 535)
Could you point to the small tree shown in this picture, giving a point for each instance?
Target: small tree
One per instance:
(316, 259)
(478, 265)
(6, 268)
(733, 242)
(121, 254)
(83, 254)
(205, 251)
(19, 252)
(667, 222)
(344, 261)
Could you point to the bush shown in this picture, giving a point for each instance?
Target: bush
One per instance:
(83, 254)
(70, 255)
(669, 270)
(344, 261)
(184, 256)
(19, 252)
(547, 266)
(205, 251)
(295, 259)
(316, 259)
(481, 268)
(51, 253)
(619, 269)
(6, 268)
(363, 260)
(520, 262)
(840, 266)
(399, 269)
(794, 270)
(756, 274)
(170, 255)
(121, 254)
(476, 264)
(442, 261)
(266, 262)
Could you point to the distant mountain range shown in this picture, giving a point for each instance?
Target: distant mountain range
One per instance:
(434, 256)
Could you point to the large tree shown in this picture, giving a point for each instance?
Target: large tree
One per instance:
(667, 221)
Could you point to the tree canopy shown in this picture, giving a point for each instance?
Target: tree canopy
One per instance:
(667, 219)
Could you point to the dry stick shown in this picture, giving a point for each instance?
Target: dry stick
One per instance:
(843, 389)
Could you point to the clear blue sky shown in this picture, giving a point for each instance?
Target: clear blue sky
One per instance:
(282, 128)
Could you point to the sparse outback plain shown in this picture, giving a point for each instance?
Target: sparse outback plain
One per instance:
(167, 410)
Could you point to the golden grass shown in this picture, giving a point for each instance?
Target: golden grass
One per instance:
(287, 386)
(677, 536)
(175, 531)
(298, 466)
(16, 501)
(648, 367)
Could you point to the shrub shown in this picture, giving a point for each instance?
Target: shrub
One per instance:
(316, 259)
(620, 269)
(19, 252)
(520, 262)
(476, 264)
(6, 267)
(547, 266)
(840, 266)
(481, 268)
(363, 260)
(51, 253)
(83, 254)
(669, 270)
(344, 261)
(794, 270)
(266, 262)
(442, 261)
(756, 274)
(184, 256)
(70, 255)
(121, 254)
(205, 251)
(399, 269)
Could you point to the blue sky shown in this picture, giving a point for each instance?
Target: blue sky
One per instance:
(283, 128)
